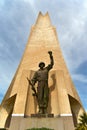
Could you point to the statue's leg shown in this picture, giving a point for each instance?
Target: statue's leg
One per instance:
(46, 98)
(40, 91)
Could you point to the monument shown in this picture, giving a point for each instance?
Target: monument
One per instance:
(55, 94)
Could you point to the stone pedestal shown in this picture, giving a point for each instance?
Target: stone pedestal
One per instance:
(55, 123)
(3, 129)
(42, 115)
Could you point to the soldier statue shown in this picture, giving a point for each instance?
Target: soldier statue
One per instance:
(41, 77)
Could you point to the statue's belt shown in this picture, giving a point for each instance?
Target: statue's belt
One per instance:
(43, 80)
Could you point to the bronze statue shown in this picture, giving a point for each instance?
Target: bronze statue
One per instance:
(41, 76)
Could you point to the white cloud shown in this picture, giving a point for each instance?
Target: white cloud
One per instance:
(30, 1)
(2, 2)
(32, 4)
(80, 78)
(73, 37)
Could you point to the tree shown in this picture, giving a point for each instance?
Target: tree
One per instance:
(82, 125)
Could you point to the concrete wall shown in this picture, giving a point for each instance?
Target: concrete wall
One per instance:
(58, 123)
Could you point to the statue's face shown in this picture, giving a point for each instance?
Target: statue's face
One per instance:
(41, 66)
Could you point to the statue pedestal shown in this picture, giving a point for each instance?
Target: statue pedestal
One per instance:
(55, 123)
(3, 129)
(42, 115)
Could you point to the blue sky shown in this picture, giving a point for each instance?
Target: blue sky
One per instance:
(70, 19)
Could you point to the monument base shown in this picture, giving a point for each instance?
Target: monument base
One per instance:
(56, 123)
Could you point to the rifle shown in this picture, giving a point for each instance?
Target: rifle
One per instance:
(33, 88)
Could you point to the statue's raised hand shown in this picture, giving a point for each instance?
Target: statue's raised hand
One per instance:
(50, 52)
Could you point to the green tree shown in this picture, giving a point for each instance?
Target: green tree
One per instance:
(82, 125)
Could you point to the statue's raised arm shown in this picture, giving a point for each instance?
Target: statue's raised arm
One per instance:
(50, 66)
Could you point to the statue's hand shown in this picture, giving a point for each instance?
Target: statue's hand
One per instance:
(50, 52)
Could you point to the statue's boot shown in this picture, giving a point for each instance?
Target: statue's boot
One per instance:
(45, 111)
(40, 111)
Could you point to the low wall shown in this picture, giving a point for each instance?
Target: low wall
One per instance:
(59, 123)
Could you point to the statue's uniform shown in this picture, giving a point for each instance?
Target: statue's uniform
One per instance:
(42, 90)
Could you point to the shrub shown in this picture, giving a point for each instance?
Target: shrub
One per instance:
(40, 129)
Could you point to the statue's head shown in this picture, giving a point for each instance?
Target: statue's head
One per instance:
(41, 65)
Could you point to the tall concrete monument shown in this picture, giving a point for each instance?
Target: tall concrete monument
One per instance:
(64, 103)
